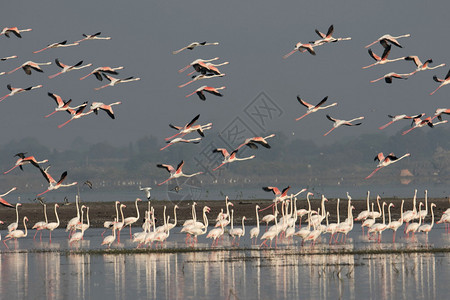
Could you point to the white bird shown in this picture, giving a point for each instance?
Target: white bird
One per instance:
(338, 123)
(328, 38)
(422, 66)
(254, 232)
(131, 220)
(146, 191)
(13, 226)
(53, 225)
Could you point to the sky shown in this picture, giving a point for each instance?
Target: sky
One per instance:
(253, 37)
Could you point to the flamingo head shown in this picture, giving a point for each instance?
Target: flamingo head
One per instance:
(138, 199)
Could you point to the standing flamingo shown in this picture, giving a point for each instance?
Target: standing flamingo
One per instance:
(78, 236)
(394, 225)
(41, 225)
(13, 226)
(119, 225)
(237, 231)
(113, 81)
(76, 114)
(386, 161)
(413, 227)
(131, 220)
(16, 31)
(108, 240)
(328, 38)
(189, 127)
(66, 68)
(313, 108)
(57, 45)
(254, 232)
(53, 184)
(94, 36)
(378, 227)
(53, 225)
(175, 173)
(229, 157)
(15, 234)
(72, 224)
(302, 48)
(387, 38)
(427, 227)
(400, 117)
(15, 91)
(383, 59)
(338, 123)
(97, 72)
(251, 142)
(442, 82)
(95, 106)
(30, 65)
(205, 88)
(191, 46)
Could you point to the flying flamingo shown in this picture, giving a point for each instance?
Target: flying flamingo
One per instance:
(95, 106)
(338, 123)
(181, 140)
(313, 108)
(418, 123)
(113, 81)
(8, 57)
(76, 114)
(209, 89)
(66, 68)
(388, 77)
(441, 111)
(53, 225)
(229, 157)
(328, 38)
(57, 45)
(442, 82)
(193, 45)
(302, 48)
(386, 161)
(94, 36)
(16, 31)
(189, 127)
(3, 201)
(97, 72)
(422, 66)
(17, 233)
(61, 104)
(30, 65)
(199, 77)
(400, 117)
(207, 68)
(383, 59)
(131, 220)
(53, 184)
(251, 142)
(26, 160)
(15, 91)
(196, 63)
(175, 173)
(387, 38)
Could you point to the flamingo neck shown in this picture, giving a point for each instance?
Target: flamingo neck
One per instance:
(257, 217)
(137, 209)
(25, 226)
(57, 217)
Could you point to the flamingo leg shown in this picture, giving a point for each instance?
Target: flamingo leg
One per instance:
(102, 87)
(183, 69)
(63, 124)
(405, 132)
(369, 66)
(219, 166)
(40, 50)
(386, 125)
(435, 90)
(50, 236)
(165, 147)
(165, 181)
(10, 169)
(42, 193)
(130, 230)
(374, 171)
(84, 77)
(12, 71)
(175, 135)
(50, 114)
(289, 54)
(329, 131)
(54, 75)
(4, 97)
(302, 116)
(185, 84)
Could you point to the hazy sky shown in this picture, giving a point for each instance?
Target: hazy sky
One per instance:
(253, 37)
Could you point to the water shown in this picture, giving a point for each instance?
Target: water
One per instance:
(40, 270)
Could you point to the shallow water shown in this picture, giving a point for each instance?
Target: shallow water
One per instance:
(38, 270)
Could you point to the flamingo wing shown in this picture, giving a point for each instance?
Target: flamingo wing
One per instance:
(57, 99)
(193, 121)
(321, 102)
(448, 75)
(386, 52)
(330, 31)
(62, 178)
(169, 168)
(59, 64)
(331, 119)
(222, 151)
(304, 103)
(415, 59)
(180, 166)
(272, 189)
(373, 55)
(98, 76)
(5, 203)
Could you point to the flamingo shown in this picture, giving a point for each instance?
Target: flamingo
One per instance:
(224, 218)
(81, 225)
(368, 222)
(131, 220)
(97, 72)
(207, 68)
(189, 127)
(338, 123)
(441, 111)
(442, 82)
(119, 225)
(53, 225)
(15, 234)
(239, 232)
(66, 68)
(386, 161)
(94, 36)
(8, 57)
(39, 226)
(209, 89)
(95, 106)
(175, 173)
(161, 237)
(251, 142)
(199, 230)
(418, 123)
(383, 59)
(302, 48)
(423, 213)
(363, 215)
(113, 81)
(328, 38)
(108, 224)
(57, 45)
(172, 225)
(422, 66)
(191, 46)
(200, 77)
(413, 227)
(427, 227)
(30, 65)
(26, 160)
(313, 108)
(16, 31)
(13, 226)
(108, 240)
(61, 105)
(410, 215)
(379, 227)
(71, 225)
(196, 63)
(76, 114)
(146, 191)
(387, 38)
(388, 77)
(15, 91)
(229, 157)
(53, 184)
(270, 235)
(394, 225)
(400, 117)
(181, 140)
(254, 232)
(78, 236)
(215, 234)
